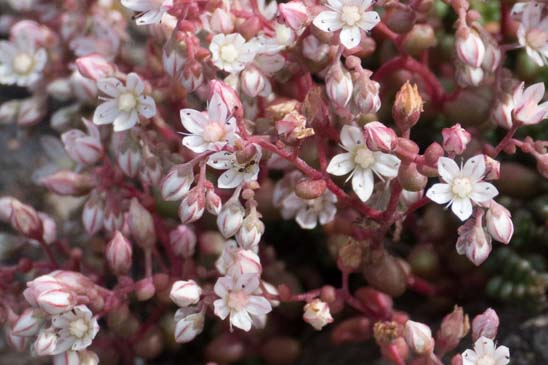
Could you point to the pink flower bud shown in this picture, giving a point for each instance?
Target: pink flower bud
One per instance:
(25, 220)
(67, 358)
(473, 242)
(129, 158)
(93, 214)
(455, 139)
(50, 228)
(501, 114)
(469, 46)
(144, 289)
(419, 337)
(60, 89)
(313, 49)
(84, 89)
(407, 107)
(468, 76)
(338, 85)
(150, 172)
(18, 343)
(376, 301)
(85, 149)
(66, 182)
(231, 217)
(252, 81)
(229, 97)
(379, 137)
(88, 358)
(173, 62)
(294, 14)
(316, 313)
(214, 203)
(114, 219)
(250, 232)
(45, 343)
(235, 261)
(527, 109)
(185, 293)
(192, 206)
(192, 76)
(486, 325)
(31, 111)
(189, 324)
(183, 241)
(453, 328)
(366, 96)
(40, 285)
(141, 225)
(29, 322)
(56, 301)
(499, 222)
(310, 189)
(95, 67)
(492, 169)
(119, 254)
(177, 182)
(221, 21)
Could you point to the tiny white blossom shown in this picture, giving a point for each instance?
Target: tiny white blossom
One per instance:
(350, 16)
(486, 353)
(123, 104)
(149, 11)
(462, 187)
(238, 169)
(231, 52)
(308, 212)
(20, 62)
(76, 329)
(362, 162)
(533, 33)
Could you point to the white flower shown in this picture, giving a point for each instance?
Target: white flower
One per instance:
(362, 162)
(308, 212)
(211, 132)
(241, 167)
(533, 33)
(528, 108)
(350, 16)
(20, 62)
(486, 353)
(317, 314)
(462, 187)
(76, 329)
(123, 104)
(231, 52)
(149, 11)
(238, 301)
(189, 324)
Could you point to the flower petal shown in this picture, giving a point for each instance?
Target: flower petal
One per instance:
(106, 112)
(221, 160)
(306, 218)
(483, 191)
(469, 357)
(386, 164)
(474, 167)
(258, 305)
(448, 169)
(350, 37)
(341, 164)
(502, 355)
(351, 137)
(241, 319)
(229, 179)
(193, 120)
(484, 346)
(110, 86)
(125, 121)
(327, 21)
(147, 106)
(369, 20)
(221, 310)
(363, 183)
(440, 193)
(195, 144)
(135, 84)
(216, 110)
(223, 286)
(462, 208)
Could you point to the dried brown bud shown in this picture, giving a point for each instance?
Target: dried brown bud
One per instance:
(386, 332)
(407, 106)
(350, 255)
(310, 189)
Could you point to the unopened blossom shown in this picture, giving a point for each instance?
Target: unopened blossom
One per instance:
(183, 241)
(470, 47)
(313, 49)
(185, 293)
(235, 261)
(241, 166)
(350, 16)
(294, 14)
(362, 163)
(93, 214)
(238, 301)
(419, 337)
(21, 62)
(485, 324)
(209, 132)
(119, 254)
(29, 322)
(84, 148)
(366, 96)
(230, 217)
(474, 242)
(76, 329)
(338, 85)
(499, 222)
(462, 187)
(45, 343)
(527, 109)
(533, 32)
(192, 206)
(455, 139)
(251, 231)
(189, 323)
(379, 137)
(148, 11)
(486, 353)
(177, 182)
(123, 105)
(231, 52)
(317, 314)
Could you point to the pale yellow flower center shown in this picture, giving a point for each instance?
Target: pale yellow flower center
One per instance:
(462, 187)
(78, 328)
(536, 38)
(237, 300)
(213, 132)
(127, 102)
(22, 63)
(364, 158)
(228, 53)
(486, 360)
(350, 15)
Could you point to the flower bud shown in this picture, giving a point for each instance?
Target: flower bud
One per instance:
(183, 241)
(294, 14)
(492, 169)
(350, 256)
(316, 313)
(221, 21)
(310, 189)
(5, 208)
(18, 343)
(400, 18)
(419, 337)
(60, 89)
(231, 217)
(93, 214)
(486, 325)
(251, 231)
(9, 111)
(45, 343)
(82, 148)
(313, 49)
(177, 182)
(453, 328)
(376, 301)
(67, 358)
(25, 220)
(141, 225)
(229, 97)
(409, 198)
(252, 81)
(119, 254)
(419, 39)
(379, 137)
(66, 182)
(407, 106)
(338, 84)
(173, 61)
(185, 293)
(433, 154)
(214, 203)
(293, 127)
(83, 88)
(150, 172)
(469, 46)
(192, 206)
(455, 139)
(192, 76)
(56, 301)
(28, 323)
(235, 261)
(189, 324)
(410, 178)
(129, 160)
(31, 111)
(501, 114)
(144, 289)
(468, 76)
(95, 67)
(499, 222)
(88, 358)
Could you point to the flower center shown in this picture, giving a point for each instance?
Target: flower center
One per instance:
(283, 34)
(22, 63)
(536, 38)
(364, 158)
(229, 53)
(237, 300)
(462, 187)
(213, 132)
(127, 102)
(78, 328)
(486, 360)
(350, 15)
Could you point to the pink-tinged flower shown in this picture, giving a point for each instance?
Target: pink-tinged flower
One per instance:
(229, 97)
(317, 314)
(185, 293)
(350, 16)
(533, 33)
(308, 212)
(29, 322)
(469, 46)
(455, 139)
(419, 337)
(21, 63)
(379, 137)
(192, 206)
(177, 182)
(31, 110)
(83, 88)
(527, 109)
(338, 84)
(214, 204)
(474, 242)
(95, 67)
(18, 343)
(462, 187)
(123, 105)
(56, 301)
(294, 14)
(221, 21)
(40, 285)
(141, 225)
(468, 76)
(67, 358)
(183, 241)
(150, 172)
(189, 323)
(251, 231)
(485, 325)
(211, 132)
(501, 114)
(129, 160)
(313, 49)
(66, 182)
(362, 163)
(366, 96)
(253, 82)
(238, 302)
(492, 169)
(241, 167)
(499, 222)
(236, 261)
(119, 253)
(45, 343)
(231, 52)
(93, 214)
(114, 219)
(148, 11)
(76, 329)
(230, 217)
(25, 220)
(486, 352)
(84, 148)
(409, 198)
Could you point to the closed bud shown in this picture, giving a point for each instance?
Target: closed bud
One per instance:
(231, 217)
(251, 231)
(492, 169)
(45, 343)
(141, 225)
(501, 114)
(455, 139)
(419, 39)
(67, 358)
(221, 21)
(60, 89)
(419, 337)
(119, 254)
(183, 241)
(66, 182)
(144, 289)
(468, 76)
(410, 178)
(485, 325)
(379, 137)
(407, 106)
(409, 198)
(56, 301)
(192, 76)
(185, 293)
(229, 97)
(433, 154)
(95, 67)
(214, 203)
(252, 81)
(310, 189)
(129, 160)
(235, 261)
(83, 88)
(400, 18)
(25, 220)
(338, 85)
(384, 272)
(294, 14)
(29, 322)
(18, 343)
(453, 328)
(31, 111)
(192, 206)
(350, 256)
(542, 164)
(317, 314)
(313, 49)
(474, 242)
(173, 61)
(376, 301)
(177, 182)
(150, 172)
(189, 323)
(499, 222)
(93, 214)
(86, 149)
(469, 46)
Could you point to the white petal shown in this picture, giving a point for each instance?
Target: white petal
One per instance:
(363, 183)
(221, 310)
(258, 305)
(350, 37)
(241, 319)
(150, 17)
(195, 144)
(135, 84)
(462, 208)
(125, 121)
(327, 214)
(448, 169)
(106, 112)
(483, 191)
(221, 160)
(193, 120)
(306, 218)
(230, 179)
(216, 110)
(223, 286)
(386, 165)
(369, 20)
(351, 137)
(474, 167)
(484, 346)
(502, 355)
(328, 21)
(137, 5)
(469, 357)
(341, 164)
(110, 86)
(440, 193)
(147, 106)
